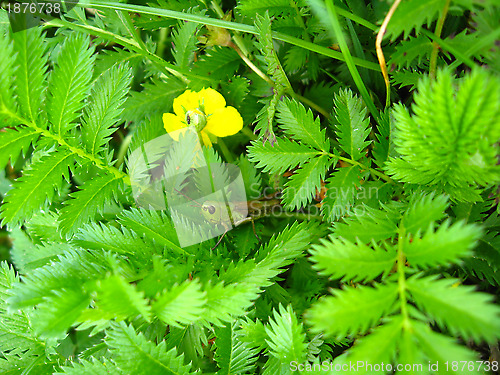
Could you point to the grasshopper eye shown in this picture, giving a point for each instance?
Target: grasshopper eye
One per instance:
(211, 210)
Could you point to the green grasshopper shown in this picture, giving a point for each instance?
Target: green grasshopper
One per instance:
(235, 213)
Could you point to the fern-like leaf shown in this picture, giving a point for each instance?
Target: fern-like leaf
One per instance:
(286, 337)
(155, 99)
(384, 147)
(90, 368)
(303, 184)
(280, 157)
(232, 355)
(87, 202)
(14, 142)
(371, 225)
(8, 103)
(31, 72)
(219, 63)
(459, 309)
(117, 299)
(352, 124)
(70, 83)
(181, 304)
(340, 258)
(55, 315)
(274, 68)
(36, 186)
(418, 48)
(154, 226)
(108, 95)
(133, 353)
(300, 125)
(340, 192)
(446, 245)
(451, 140)
(184, 40)
(352, 310)
(413, 14)
(377, 348)
(424, 210)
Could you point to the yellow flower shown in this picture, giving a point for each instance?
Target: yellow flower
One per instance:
(207, 111)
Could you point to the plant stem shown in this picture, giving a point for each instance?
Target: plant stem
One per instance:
(123, 149)
(401, 264)
(225, 151)
(77, 151)
(435, 45)
(382, 175)
(226, 25)
(251, 65)
(380, 53)
(337, 30)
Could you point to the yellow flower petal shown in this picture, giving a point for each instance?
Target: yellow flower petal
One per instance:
(172, 123)
(188, 99)
(206, 139)
(224, 122)
(211, 100)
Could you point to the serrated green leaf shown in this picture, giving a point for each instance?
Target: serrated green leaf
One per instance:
(352, 310)
(303, 184)
(184, 41)
(424, 210)
(108, 96)
(384, 147)
(15, 142)
(274, 7)
(300, 125)
(378, 347)
(117, 299)
(450, 141)
(181, 304)
(36, 186)
(15, 327)
(341, 189)
(219, 63)
(153, 225)
(413, 14)
(133, 353)
(7, 67)
(92, 197)
(89, 368)
(156, 98)
(31, 72)
(446, 245)
(55, 315)
(340, 258)
(280, 157)
(274, 68)
(459, 309)
(370, 225)
(286, 338)
(415, 48)
(232, 355)
(352, 124)
(69, 83)
(71, 271)
(440, 349)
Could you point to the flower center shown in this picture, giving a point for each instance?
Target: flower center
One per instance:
(196, 118)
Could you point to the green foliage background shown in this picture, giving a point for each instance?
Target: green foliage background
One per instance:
(389, 249)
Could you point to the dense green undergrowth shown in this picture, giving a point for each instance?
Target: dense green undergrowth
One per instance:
(383, 249)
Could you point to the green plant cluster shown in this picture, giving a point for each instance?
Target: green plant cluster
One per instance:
(386, 248)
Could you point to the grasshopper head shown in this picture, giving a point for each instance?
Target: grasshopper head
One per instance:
(211, 211)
